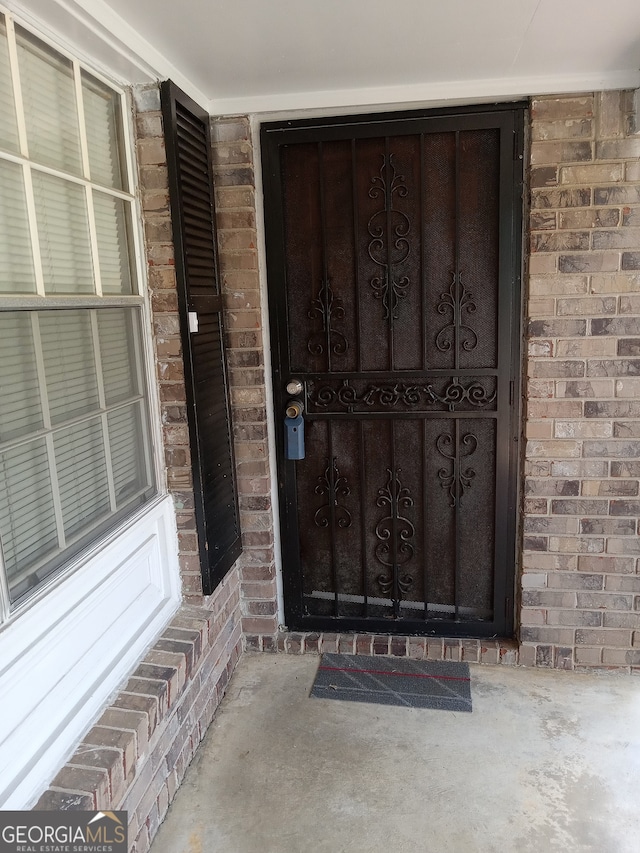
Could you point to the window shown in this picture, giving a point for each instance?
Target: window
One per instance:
(75, 450)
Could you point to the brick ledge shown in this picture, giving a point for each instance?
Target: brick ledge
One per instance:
(419, 648)
(485, 651)
(136, 754)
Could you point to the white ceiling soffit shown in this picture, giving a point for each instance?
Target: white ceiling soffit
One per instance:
(93, 32)
(276, 55)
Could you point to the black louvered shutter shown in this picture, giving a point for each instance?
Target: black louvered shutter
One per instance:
(186, 128)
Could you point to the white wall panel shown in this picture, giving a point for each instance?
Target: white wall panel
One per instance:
(62, 658)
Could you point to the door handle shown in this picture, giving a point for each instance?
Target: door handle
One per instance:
(294, 430)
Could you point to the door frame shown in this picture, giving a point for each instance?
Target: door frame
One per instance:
(277, 133)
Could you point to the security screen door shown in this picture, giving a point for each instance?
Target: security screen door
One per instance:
(394, 270)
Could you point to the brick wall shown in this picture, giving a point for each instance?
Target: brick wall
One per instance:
(581, 588)
(580, 597)
(136, 755)
(234, 178)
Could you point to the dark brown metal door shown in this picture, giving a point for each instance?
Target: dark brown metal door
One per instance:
(394, 257)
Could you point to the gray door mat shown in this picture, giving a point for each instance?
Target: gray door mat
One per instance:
(445, 685)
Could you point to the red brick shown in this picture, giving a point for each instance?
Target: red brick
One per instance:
(128, 721)
(125, 741)
(65, 801)
(92, 781)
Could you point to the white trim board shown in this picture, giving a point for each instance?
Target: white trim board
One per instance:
(65, 656)
(424, 94)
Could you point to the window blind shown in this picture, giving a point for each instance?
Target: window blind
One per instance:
(63, 233)
(116, 352)
(82, 475)
(16, 259)
(113, 243)
(70, 369)
(21, 409)
(86, 397)
(50, 109)
(27, 512)
(102, 117)
(127, 453)
(8, 125)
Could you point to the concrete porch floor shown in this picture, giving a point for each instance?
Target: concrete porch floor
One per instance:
(547, 761)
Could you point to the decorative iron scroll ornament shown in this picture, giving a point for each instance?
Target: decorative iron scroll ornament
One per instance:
(394, 532)
(388, 229)
(454, 478)
(327, 308)
(333, 484)
(456, 334)
(389, 395)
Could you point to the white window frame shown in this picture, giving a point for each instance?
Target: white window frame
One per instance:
(66, 649)
(137, 300)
